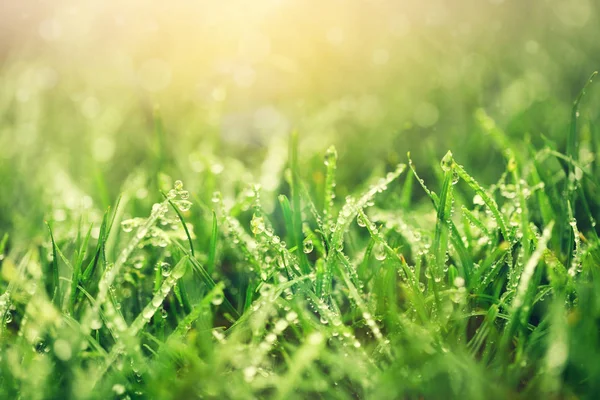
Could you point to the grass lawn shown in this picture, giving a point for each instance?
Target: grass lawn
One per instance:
(306, 224)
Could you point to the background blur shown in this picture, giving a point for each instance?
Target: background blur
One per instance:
(80, 83)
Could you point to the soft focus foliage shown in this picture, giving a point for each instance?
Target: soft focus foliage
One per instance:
(175, 224)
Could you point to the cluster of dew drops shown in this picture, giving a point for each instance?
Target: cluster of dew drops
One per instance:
(153, 230)
(156, 235)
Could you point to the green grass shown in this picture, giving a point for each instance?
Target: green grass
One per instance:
(488, 291)
(210, 200)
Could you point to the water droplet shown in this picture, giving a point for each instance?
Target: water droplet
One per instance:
(361, 221)
(447, 162)
(291, 316)
(459, 281)
(218, 298)
(178, 185)
(184, 205)
(30, 287)
(8, 317)
(62, 350)
(96, 324)
(455, 177)
(171, 194)
(308, 246)
(164, 314)
(266, 290)
(148, 313)
(380, 252)
(249, 373)
(257, 224)
(315, 338)
(330, 156)
(128, 225)
(271, 338)
(118, 389)
(138, 262)
(157, 301)
(281, 325)
(165, 269)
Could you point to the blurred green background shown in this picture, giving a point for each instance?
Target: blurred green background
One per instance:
(101, 97)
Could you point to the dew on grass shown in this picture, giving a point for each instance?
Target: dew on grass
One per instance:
(478, 200)
(118, 389)
(447, 162)
(307, 246)
(165, 269)
(459, 281)
(156, 301)
(291, 316)
(380, 252)
(128, 225)
(183, 205)
(257, 224)
(62, 350)
(148, 312)
(330, 156)
(218, 298)
(271, 338)
(266, 290)
(138, 262)
(455, 177)
(281, 325)
(249, 373)
(178, 185)
(217, 335)
(360, 220)
(96, 324)
(315, 338)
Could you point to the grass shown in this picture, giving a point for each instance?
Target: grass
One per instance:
(210, 200)
(486, 292)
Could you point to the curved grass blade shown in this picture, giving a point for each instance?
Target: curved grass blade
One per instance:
(182, 220)
(457, 241)
(491, 203)
(212, 247)
(444, 213)
(570, 187)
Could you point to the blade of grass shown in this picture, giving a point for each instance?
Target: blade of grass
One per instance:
(212, 249)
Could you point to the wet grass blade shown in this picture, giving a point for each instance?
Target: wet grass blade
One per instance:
(183, 224)
(288, 216)
(444, 213)
(570, 185)
(212, 247)
(56, 295)
(490, 203)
